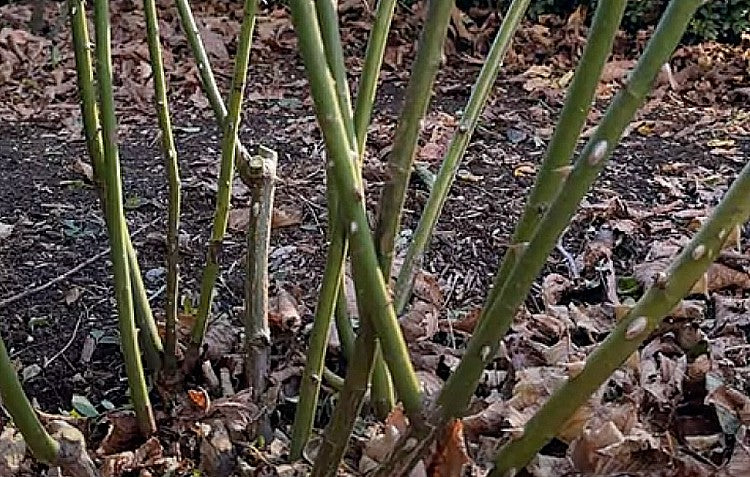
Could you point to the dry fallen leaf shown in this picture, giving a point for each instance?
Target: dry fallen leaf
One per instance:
(284, 312)
(285, 217)
(239, 218)
(450, 456)
(216, 449)
(12, 451)
(420, 322)
(221, 338)
(717, 277)
(199, 398)
(122, 435)
(382, 445)
(84, 169)
(72, 295)
(554, 287)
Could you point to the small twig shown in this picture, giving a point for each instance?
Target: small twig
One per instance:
(156, 294)
(568, 258)
(32, 291)
(49, 361)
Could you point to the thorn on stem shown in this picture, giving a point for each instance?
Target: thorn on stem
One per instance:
(600, 150)
(575, 368)
(699, 252)
(636, 327)
(662, 280)
(485, 352)
(564, 171)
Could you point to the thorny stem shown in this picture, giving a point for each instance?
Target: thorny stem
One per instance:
(456, 150)
(224, 192)
(555, 166)
(14, 399)
(148, 335)
(173, 176)
(64, 446)
(348, 406)
(371, 289)
(382, 388)
(208, 81)
(331, 299)
(631, 331)
(371, 71)
(330, 289)
(485, 341)
(416, 101)
(117, 227)
(328, 19)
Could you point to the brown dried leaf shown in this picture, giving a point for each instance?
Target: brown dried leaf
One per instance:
(72, 295)
(122, 435)
(285, 217)
(739, 464)
(239, 218)
(553, 288)
(381, 446)
(732, 400)
(200, 399)
(216, 449)
(84, 169)
(468, 321)
(284, 312)
(221, 338)
(421, 322)
(12, 451)
(450, 456)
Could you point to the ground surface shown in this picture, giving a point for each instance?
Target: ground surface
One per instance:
(677, 160)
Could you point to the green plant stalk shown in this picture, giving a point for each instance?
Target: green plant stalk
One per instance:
(149, 334)
(331, 292)
(208, 81)
(117, 227)
(368, 82)
(173, 177)
(369, 283)
(580, 97)
(416, 101)
(334, 380)
(348, 406)
(485, 341)
(457, 149)
(258, 335)
(64, 446)
(344, 323)
(630, 333)
(42, 445)
(328, 21)
(224, 192)
(327, 18)
(382, 389)
(304, 416)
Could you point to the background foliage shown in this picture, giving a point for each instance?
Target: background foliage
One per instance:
(723, 20)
